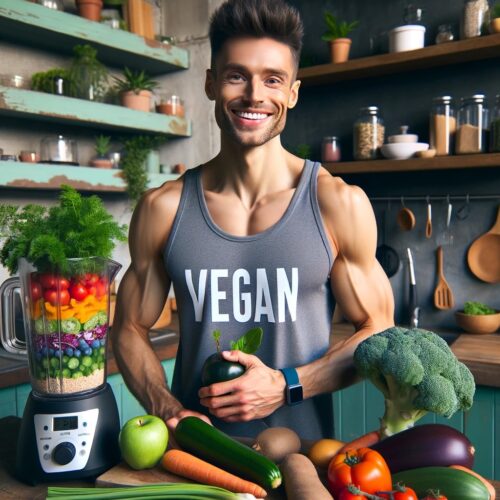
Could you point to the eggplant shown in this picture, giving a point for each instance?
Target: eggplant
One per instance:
(217, 369)
(426, 445)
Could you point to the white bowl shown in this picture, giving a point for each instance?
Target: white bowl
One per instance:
(402, 150)
(409, 37)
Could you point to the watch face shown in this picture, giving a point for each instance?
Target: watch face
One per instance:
(294, 394)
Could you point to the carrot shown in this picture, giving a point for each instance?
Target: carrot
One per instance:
(186, 465)
(488, 485)
(364, 441)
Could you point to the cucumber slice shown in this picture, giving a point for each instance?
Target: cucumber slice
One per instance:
(43, 326)
(71, 325)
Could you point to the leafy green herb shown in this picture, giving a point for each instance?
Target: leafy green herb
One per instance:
(216, 336)
(45, 81)
(249, 342)
(477, 308)
(134, 81)
(79, 227)
(336, 29)
(102, 145)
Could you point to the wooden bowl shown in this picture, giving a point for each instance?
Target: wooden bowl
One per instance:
(478, 323)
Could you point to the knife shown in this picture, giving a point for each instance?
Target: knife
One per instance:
(413, 309)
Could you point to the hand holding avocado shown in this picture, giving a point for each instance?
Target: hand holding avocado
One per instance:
(217, 369)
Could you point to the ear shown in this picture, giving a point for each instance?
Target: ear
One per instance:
(210, 85)
(294, 94)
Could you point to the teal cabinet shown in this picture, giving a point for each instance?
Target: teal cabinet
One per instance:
(357, 410)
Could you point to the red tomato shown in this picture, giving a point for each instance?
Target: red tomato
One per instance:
(55, 298)
(91, 290)
(91, 279)
(36, 291)
(47, 280)
(434, 495)
(100, 289)
(363, 467)
(400, 492)
(347, 494)
(78, 291)
(62, 283)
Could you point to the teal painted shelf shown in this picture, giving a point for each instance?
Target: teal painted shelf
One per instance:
(42, 28)
(21, 175)
(66, 110)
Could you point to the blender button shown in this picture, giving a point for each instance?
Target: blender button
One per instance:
(85, 424)
(84, 443)
(45, 446)
(46, 456)
(82, 452)
(45, 427)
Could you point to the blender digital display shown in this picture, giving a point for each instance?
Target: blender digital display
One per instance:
(65, 423)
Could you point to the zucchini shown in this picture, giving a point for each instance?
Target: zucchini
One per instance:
(455, 484)
(206, 442)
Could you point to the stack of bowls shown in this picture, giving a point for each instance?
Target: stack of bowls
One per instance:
(402, 146)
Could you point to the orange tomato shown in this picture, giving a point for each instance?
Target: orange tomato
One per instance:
(363, 467)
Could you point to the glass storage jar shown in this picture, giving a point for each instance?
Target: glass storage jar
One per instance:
(444, 34)
(369, 133)
(330, 149)
(495, 127)
(472, 125)
(443, 125)
(171, 104)
(475, 14)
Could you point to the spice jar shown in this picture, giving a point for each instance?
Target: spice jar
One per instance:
(330, 149)
(474, 15)
(443, 125)
(444, 34)
(171, 104)
(495, 127)
(369, 133)
(472, 125)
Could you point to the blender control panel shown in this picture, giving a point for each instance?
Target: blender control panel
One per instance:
(64, 440)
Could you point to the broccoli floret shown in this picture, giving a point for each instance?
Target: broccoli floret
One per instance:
(417, 373)
(477, 308)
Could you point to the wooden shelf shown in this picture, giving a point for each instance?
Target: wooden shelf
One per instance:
(460, 51)
(15, 174)
(42, 28)
(415, 164)
(66, 110)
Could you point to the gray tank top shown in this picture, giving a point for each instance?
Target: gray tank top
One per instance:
(277, 279)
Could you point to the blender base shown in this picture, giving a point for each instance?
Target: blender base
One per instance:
(74, 437)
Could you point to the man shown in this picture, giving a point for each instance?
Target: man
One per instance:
(254, 237)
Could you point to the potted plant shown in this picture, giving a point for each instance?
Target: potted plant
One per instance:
(102, 146)
(89, 9)
(136, 89)
(336, 34)
(495, 18)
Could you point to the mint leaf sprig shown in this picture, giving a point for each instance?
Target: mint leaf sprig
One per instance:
(248, 343)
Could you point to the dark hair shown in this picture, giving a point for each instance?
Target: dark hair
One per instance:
(257, 18)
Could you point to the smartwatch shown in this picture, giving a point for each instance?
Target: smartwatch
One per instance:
(293, 389)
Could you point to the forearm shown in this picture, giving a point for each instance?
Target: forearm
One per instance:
(144, 375)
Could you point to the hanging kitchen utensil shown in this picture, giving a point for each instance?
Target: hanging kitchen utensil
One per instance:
(483, 256)
(447, 236)
(428, 224)
(413, 309)
(386, 255)
(443, 295)
(406, 218)
(464, 210)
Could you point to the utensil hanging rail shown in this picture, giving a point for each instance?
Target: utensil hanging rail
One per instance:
(437, 197)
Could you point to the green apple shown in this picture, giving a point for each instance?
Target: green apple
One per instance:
(143, 441)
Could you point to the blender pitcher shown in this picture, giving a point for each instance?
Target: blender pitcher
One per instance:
(66, 320)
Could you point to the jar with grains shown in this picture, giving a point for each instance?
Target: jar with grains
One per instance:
(475, 14)
(330, 149)
(495, 127)
(443, 125)
(472, 125)
(369, 133)
(444, 34)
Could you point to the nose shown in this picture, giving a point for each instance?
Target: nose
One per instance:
(254, 91)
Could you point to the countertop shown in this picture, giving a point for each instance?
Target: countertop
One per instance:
(481, 353)
(11, 489)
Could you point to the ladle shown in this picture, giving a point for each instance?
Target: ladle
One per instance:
(406, 218)
(428, 224)
(483, 255)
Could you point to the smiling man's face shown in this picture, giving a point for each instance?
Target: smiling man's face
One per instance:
(253, 85)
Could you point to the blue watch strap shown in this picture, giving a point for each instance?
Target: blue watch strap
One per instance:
(291, 376)
(293, 389)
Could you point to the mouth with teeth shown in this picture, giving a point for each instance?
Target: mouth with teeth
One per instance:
(249, 118)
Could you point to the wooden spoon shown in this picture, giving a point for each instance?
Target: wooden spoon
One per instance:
(483, 256)
(406, 219)
(443, 296)
(428, 224)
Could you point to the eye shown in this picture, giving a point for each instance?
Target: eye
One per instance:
(235, 77)
(274, 80)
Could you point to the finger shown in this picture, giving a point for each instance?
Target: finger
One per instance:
(238, 412)
(220, 401)
(219, 389)
(247, 360)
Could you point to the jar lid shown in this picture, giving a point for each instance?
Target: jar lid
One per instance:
(369, 109)
(479, 98)
(445, 99)
(330, 138)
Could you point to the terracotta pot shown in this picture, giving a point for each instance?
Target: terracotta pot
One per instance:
(339, 49)
(140, 101)
(90, 9)
(102, 163)
(495, 25)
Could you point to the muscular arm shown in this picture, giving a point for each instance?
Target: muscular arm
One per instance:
(141, 297)
(359, 284)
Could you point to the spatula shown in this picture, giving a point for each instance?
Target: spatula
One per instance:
(443, 296)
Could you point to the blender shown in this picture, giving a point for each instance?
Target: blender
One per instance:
(70, 424)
